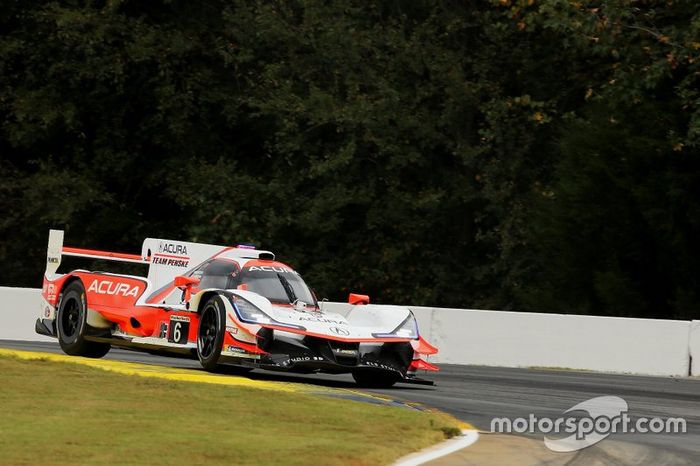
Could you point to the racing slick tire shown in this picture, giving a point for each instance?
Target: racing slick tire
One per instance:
(210, 334)
(71, 324)
(375, 379)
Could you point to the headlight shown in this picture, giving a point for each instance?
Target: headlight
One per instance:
(252, 314)
(407, 329)
(247, 311)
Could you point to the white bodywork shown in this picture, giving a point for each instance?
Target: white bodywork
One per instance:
(362, 322)
(169, 258)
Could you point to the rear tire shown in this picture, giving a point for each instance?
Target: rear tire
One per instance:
(375, 379)
(71, 324)
(210, 334)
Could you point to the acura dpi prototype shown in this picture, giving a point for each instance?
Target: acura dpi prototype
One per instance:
(225, 305)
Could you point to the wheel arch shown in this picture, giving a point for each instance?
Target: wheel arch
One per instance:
(94, 318)
(65, 284)
(202, 297)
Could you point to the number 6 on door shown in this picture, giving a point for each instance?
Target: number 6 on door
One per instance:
(178, 329)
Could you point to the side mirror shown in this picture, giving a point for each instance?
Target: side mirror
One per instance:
(358, 298)
(185, 284)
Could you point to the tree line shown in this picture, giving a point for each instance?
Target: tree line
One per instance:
(507, 154)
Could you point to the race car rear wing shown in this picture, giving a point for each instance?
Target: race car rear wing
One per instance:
(166, 258)
(57, 250)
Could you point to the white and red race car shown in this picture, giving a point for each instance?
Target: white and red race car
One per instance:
(225, 305)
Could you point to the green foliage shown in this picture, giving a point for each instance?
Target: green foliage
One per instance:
(618, 227)
(509, 154)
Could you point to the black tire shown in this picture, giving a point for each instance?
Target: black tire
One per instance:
(375, 379)
(71, 324)
(210, 334)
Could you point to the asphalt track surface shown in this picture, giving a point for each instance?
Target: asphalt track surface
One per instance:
(478, 394)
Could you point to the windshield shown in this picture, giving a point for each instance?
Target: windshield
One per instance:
(279, 286)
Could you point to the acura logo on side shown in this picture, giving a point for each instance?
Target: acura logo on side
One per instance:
(114, 288)
(339, 331)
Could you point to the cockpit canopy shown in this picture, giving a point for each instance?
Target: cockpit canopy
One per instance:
(273, 280)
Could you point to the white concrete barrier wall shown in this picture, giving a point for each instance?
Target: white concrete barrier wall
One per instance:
(496, 338)
(524, 339)
(520, 339)
(19, 309)
(694, 346)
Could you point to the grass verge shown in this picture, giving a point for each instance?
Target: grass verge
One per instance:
(65, 413)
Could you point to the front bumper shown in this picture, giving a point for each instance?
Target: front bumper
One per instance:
(313, 354)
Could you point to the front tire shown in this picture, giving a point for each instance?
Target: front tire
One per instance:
(375, 379)
(71, 324)
(210, 334)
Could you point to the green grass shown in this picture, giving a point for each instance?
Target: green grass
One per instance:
(64, 413)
